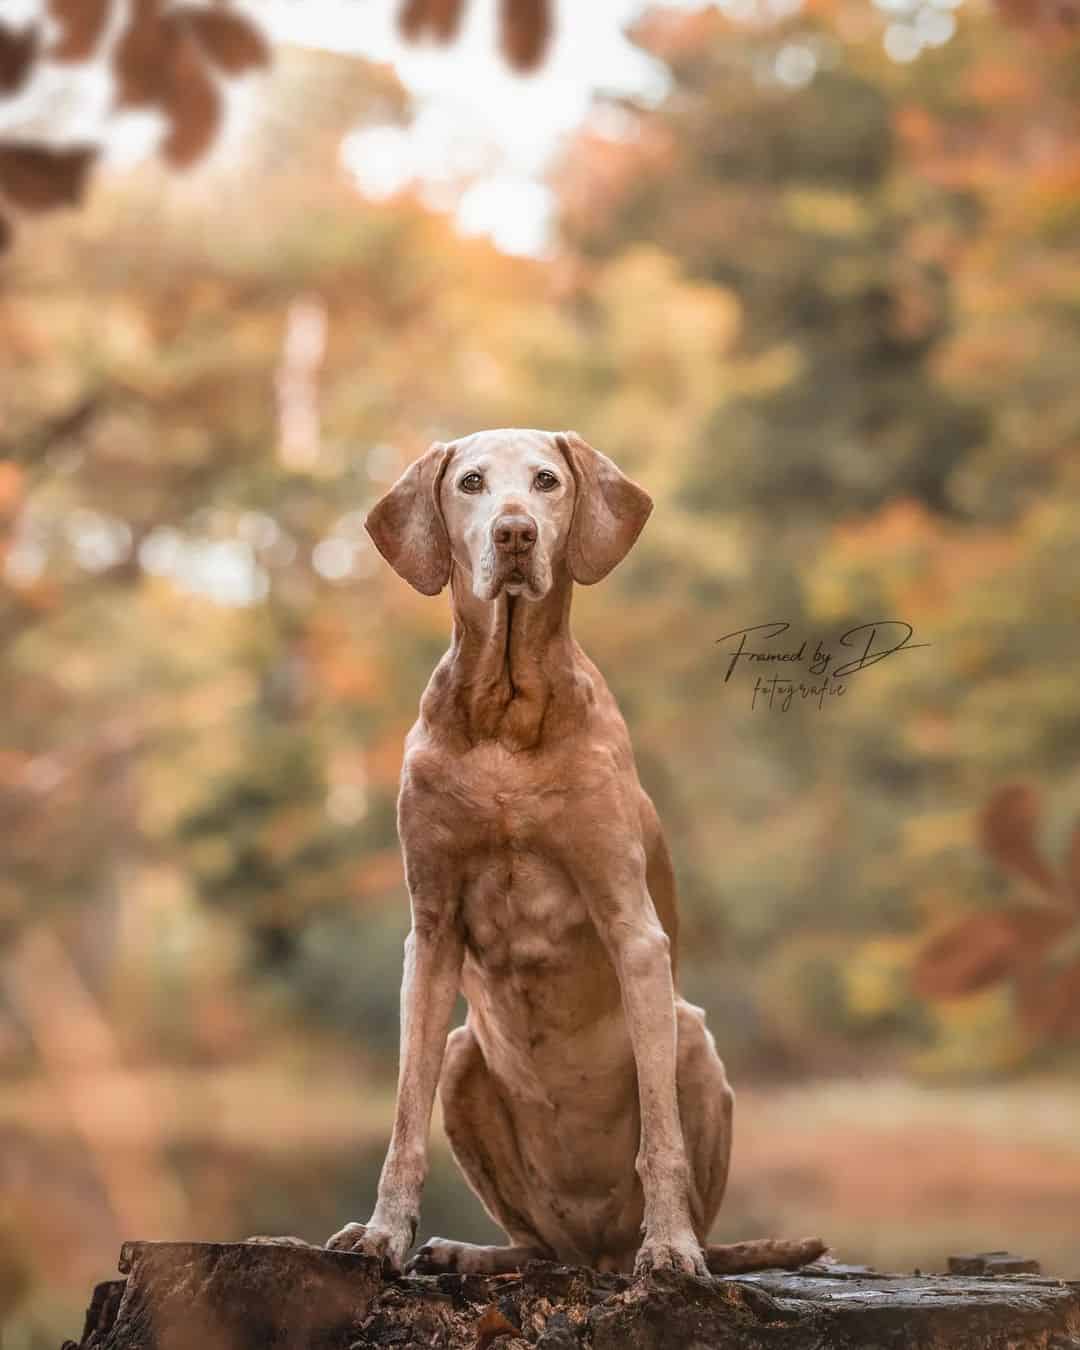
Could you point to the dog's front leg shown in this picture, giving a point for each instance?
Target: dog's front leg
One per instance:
(433, 956)
(639, 948)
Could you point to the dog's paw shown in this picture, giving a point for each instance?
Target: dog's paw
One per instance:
(435, 1257)
(683, 1255)
(385, 1245)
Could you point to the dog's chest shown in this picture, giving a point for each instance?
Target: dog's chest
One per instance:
(508, 820)
(519, 906)
(496, 799)
(520, 912)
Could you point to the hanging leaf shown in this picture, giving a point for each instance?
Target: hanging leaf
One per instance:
(1007, 831)
(38, 178)
(1048, 1000)
(984, 948)
(972, 954)
(1072, 865)
(413, 19)
(18, 51)
(441, 17)
(191, 100)
(141, 55)
(82, 23)
(230, 41)
(524, 32)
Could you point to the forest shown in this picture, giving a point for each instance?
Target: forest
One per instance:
(824, 303)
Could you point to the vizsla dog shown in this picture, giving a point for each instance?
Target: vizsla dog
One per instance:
(583, 1098)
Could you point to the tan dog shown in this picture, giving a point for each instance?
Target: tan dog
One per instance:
(583, 1099)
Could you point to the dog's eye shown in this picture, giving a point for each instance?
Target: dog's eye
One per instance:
(545, 481)
(472, 482)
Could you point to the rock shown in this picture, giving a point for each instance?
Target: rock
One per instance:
(243, 1296)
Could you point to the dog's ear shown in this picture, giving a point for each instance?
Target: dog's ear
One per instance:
(609, 511)
(407, 523)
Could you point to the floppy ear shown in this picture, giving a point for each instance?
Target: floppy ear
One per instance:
(609, 511)
(407, 524)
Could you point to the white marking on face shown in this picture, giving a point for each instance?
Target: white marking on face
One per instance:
(510, 473)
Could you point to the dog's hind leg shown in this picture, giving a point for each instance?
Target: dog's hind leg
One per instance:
(706, 1107)
(481, 1137)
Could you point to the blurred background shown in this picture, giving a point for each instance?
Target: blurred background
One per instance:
(807, 269)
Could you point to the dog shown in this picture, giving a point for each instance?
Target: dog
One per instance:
(583, 1099)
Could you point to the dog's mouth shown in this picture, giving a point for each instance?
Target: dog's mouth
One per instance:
(516, 570)
(520, 577)
(525, 574)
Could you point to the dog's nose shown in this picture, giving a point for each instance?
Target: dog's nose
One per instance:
(514, 534)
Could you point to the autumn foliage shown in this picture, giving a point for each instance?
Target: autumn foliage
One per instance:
(1033, 942)
(832, 325)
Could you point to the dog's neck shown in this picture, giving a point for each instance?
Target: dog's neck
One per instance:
(513, 669)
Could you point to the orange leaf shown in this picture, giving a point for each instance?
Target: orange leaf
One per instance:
(231, 41)
(976, 952)
(378, 873)
(17, 53)
(983, 948)
(38, 178)
(492, 1324)
(1072, 864)
(81, 22)
(11, 488)
(1049, 1002)
(1007, 828)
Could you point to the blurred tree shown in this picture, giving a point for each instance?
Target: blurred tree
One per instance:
(853, 455)
(825, 307)
(748, 311)
(791, 198)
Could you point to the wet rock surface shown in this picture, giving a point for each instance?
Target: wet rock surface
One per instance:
(254, 1296)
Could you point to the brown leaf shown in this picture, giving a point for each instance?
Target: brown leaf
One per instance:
(160, 60)
(1047, 16)
(141, 54)
(1049, 1000)
(18, 51)
(491, 1325)
(1072, 864)
(524, 32)
(1007, 830)
(231, 41)
(38, 178)
(983, 948)
(191, 101)
(81, 22)
(442, 17)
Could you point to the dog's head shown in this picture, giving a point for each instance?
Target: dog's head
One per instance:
(510, 508)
